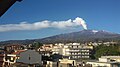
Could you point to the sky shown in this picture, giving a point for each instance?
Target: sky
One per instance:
(34, 19)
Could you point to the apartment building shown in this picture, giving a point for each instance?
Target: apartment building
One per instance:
(77, 51)
(11, 48)
(73, 50)
(57, 49)
(45, 50)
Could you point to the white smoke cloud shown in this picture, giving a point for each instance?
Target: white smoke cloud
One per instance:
(80, 21)
(43, 24)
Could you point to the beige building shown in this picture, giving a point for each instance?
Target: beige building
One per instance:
(67, 63)
(13, 47)
(51, 64)
(57, 48)
(62, 63)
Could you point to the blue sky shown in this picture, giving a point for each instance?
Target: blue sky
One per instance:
(98, 15)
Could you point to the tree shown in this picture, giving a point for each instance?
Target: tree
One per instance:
(36, 45)
(104, 50)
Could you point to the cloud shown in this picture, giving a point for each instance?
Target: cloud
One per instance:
(43, 24)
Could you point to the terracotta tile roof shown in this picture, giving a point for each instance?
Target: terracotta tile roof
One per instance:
(1, 54)
(18, 52)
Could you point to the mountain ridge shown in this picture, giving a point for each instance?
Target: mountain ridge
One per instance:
(80, 36)
(83, 35)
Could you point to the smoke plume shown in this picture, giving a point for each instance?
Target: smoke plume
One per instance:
(81, 21)
(44, 24)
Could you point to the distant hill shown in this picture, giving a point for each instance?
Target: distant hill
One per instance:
(81, 36)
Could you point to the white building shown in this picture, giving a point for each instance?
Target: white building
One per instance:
(115, 58)
(73, 50)
(105, 61)
(77, 51)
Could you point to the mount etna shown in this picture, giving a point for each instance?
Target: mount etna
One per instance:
(80, 36)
